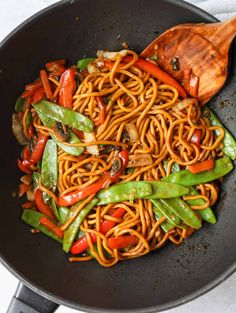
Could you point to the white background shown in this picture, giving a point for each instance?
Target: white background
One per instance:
(221, 299)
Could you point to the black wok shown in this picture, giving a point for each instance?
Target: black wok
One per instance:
(160, 280)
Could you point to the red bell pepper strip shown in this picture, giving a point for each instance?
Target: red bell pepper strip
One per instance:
(31, 88)
(67, 88)
(23, 167)
(81, 244)
(108, 178)
(56, 69)
(60, 61)
(25, 153)
(46, 84)
(51, 226)
(42, 206)
(38, 95)
(31, 131)
(38, 149)
(155, 71)
(196, 137)
(201, 166)
(108, 224)
(78, 133)
(28, 205)
(122, 242)
(102, 112)
(23, 188)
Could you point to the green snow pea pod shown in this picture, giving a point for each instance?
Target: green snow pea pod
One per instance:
(63, 212)
(32, 218)
(228, 141)
(65, 116)
(50, 166)
(76, 151)
(35, 178)
(19, 106)
(206, 214)
(186, 178)
(124, 191)
(167, 212)
(167, 225)
(163, 190)
(54, 209)
(183, 211)
(71, 232)
(83, 63)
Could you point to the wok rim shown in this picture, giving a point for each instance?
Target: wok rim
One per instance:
(71, 304)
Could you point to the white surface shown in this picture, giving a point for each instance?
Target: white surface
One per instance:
(222, 298)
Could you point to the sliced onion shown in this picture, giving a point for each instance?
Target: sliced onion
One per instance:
(30, 195)
(111, 55)
(133, 132)
(93, 68)
(17, 130)
(136, 160)
(184, 103)
(26, 179)
(90, 137)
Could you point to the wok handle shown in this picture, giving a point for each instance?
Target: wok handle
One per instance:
(26, 300)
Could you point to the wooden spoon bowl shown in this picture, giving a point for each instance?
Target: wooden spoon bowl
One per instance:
(196, 55)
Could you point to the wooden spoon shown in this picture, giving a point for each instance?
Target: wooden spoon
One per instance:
(196, 55)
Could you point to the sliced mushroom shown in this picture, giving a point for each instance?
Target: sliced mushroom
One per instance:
(61, 132)
(18, 131)
(137, 160)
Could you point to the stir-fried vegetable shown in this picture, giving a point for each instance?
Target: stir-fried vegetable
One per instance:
(186, 178)
(64, 115)
(50, 166)
(33, 219)
(206, 214)
(228, 141)
(137, 160)
(90, 137)
(122, 242)
(83, 63)
(73, 229)
(67, 88)
(76, 151)
(17, 130)
(183, 211)
(201, 166)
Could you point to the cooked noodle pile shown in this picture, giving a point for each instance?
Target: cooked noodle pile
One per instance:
(162, 125)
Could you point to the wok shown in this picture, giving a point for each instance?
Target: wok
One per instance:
(161, 280)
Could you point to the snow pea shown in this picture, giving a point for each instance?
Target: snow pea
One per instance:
(65, 116)
(54, 209)
(206, 214)
(76, 151)
(183, 211)
(228, 141)
(83, 63)
(35, 178)
(163, 190)
(167, 212)
(63, 212)
(186, 178)
(174, 167)
(19, 106)
(32, 218)
(140, 190)
(71, 232)
(167, 225)
(50, 166)
(124, 191)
